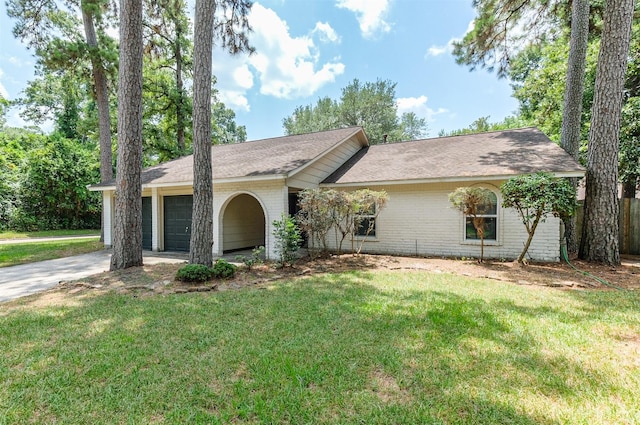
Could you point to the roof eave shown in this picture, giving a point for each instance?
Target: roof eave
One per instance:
(269, 177)
(563, 174)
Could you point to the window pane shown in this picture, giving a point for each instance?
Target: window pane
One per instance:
(489, 229)
(364, 225)
(492, 208)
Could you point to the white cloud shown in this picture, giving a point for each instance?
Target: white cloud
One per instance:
(418, 105)
(235, 99)
(439, 50)
(3, 91)
(326, 33)
(243, 77)
(371, 15)
(447, 48)
(284, 66)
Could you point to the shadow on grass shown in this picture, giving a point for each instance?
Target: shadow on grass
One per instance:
(327, 349)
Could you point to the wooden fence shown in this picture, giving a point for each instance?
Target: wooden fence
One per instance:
(629, 225)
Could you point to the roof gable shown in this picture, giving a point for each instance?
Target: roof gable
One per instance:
(499, 154)
(265, 158)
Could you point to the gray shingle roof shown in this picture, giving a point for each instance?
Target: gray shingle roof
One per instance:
(276, 156)
(494, 154)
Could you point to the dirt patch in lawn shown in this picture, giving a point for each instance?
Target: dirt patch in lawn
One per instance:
(159, 278)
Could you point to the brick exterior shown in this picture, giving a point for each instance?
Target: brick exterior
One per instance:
(419, 220)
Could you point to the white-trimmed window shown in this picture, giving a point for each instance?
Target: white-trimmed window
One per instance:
(489, 213)
(365, 224)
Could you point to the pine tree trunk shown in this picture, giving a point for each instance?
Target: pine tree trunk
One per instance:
(180, 115)
(101, 93)
(202, 219)
(127, 243)
(572, 112)
(600, 235)
(180, 119)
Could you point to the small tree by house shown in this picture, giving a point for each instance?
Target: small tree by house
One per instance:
(315, 218)
(535, 196)
(473, 202)
(367, 205)
(347, 213)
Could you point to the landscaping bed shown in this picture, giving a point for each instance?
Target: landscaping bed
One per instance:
(160, 279)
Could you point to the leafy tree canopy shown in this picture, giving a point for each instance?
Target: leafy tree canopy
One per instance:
(536, 196)
(370, 105)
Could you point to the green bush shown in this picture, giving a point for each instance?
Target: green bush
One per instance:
(256, 257)
(194, 273)
(288, 239)
(222, 269)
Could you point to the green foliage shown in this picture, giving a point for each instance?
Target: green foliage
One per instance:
(222, 269)
(287, 240)
(4, 107)
(483, 124)
(324, 209)
(256, 257)
(194, 273)
(315, 217)
(43, 182)
(534, 197)
(370, 105)
(63, 90)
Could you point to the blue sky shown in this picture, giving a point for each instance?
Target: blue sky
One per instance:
(307, 49)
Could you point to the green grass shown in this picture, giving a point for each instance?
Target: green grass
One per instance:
(48, 233)
(29, 252)
(352, 348)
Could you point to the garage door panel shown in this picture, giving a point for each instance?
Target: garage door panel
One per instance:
(147, 223)
(177, 222)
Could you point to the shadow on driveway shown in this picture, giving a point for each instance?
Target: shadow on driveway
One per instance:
(25, 279)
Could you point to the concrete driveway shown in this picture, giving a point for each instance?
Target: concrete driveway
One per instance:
(25, 279)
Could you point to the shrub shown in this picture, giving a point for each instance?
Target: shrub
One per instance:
(194, 273)
(288, 240)
(222, 269)
(255, 258)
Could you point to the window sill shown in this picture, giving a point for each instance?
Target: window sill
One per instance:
(477, 243)
(365, 239)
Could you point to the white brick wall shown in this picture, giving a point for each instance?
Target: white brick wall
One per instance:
(272, 196)
(419, 220)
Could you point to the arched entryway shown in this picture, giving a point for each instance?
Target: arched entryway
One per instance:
(243, 224)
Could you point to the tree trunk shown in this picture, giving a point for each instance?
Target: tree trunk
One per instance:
(531, 231)
(127, 243)
(202, 220)
(601, 229)
(572, 112)
(180, 116)
(180, 119)
(101, 93)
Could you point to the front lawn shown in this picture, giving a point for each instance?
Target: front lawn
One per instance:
(12, 254)
(47, 233)
(351, 348)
